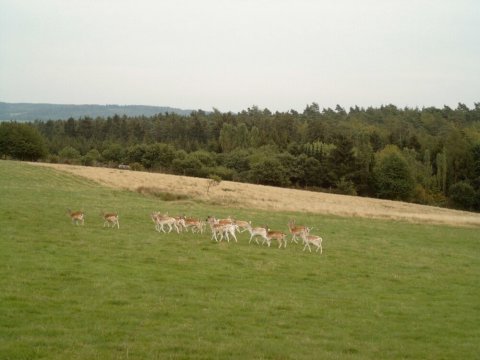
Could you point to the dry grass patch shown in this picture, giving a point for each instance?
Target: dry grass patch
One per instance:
(271, 198)
(161, 194)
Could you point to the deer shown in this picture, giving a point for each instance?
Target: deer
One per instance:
(243, 225)
(160, 220)
(213, 219)
(110, 219)
(314, 240)
(257, 231)
(295, 230)
(180, 222)
(76, 216)
(195, 224)
(276, 235)
(222, 229)
(218, 230)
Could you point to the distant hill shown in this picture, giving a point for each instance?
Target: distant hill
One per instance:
(30, 112)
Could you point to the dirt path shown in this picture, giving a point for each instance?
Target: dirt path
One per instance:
(273, 198)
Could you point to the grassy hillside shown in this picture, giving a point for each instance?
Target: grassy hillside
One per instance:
(380, 290)
(270, 198)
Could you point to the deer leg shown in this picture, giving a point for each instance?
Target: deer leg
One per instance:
(309, 248)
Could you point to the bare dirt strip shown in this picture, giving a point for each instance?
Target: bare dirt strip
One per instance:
(272, 198)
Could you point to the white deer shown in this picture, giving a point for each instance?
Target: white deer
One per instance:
(222, 228)
(314, 240)
(161, 220)
(257, 231)
(180, 222)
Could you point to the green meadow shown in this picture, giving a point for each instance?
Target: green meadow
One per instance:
(380, 290)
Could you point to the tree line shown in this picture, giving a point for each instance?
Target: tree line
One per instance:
(429, 155)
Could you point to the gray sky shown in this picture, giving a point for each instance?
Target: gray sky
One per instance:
(232, 54)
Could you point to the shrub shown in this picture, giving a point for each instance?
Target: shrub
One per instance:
(190, 166)
(160, 194)
(345, 187)
(462, 195)
(213, 180)
(53, 159)
(114, 153)
(221, 172)
(136, 166)
(91, 158)
(69, 155)
(269, 171)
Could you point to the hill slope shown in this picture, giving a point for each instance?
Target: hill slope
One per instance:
(381, 289)
(30, 112)
(272, 198)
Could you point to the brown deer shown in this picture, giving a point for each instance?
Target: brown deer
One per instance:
(276, 235)
(297, 230)
(110, 219)
(76, 216)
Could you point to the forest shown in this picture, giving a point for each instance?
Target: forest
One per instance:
(428, 156)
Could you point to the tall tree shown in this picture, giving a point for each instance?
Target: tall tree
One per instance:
(393, 177)
(441, 162)
(342, 158)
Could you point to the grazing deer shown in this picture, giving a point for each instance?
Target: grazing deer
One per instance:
(295, 230)
(76, 216)
(276, 235)
(314, 240)
(110, 219)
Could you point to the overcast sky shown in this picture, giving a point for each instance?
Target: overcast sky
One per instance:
(232, 54)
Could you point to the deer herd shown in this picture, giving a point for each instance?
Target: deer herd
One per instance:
(221, 229)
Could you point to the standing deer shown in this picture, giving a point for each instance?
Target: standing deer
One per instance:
(297, 230)
(110, 219)
(76, 216)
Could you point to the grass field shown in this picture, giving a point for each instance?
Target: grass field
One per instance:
(381, 290)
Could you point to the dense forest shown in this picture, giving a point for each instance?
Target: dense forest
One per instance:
(429, 155)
